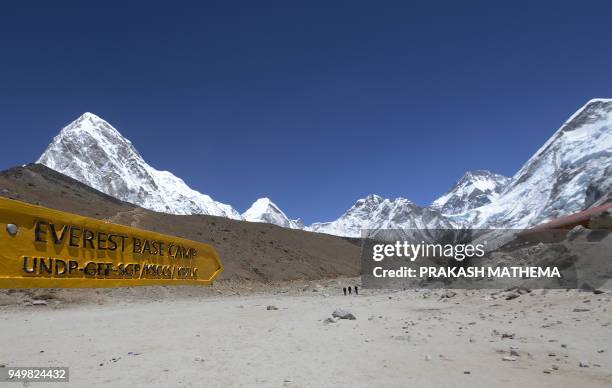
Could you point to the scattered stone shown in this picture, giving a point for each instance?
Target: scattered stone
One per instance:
(328, 321)
(401, 337)
(508, 335)
(271, 308)
(547, 371)
(38, 302)
(555, 367)
(466, 372)
(580, 310)
(199, 359)
(343, 314)
(508, 358)
(448, 294)
(520, 290)
(597, 292)
(564, 345)
(600, 350)
(514, 352)
(513, 295)
(575, 232)
(584, 364)
(428, 358)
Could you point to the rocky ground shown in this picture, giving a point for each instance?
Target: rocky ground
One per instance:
(292, 334)
(249, 250)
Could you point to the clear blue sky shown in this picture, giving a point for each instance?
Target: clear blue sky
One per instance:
(313, 104)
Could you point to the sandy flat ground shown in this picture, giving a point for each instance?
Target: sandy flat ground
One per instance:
(227, 337)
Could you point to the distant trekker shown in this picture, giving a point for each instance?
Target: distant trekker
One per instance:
(349, 290)
(356, 290)
(344, 289)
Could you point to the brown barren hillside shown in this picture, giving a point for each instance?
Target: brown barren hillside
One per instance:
(254, 251)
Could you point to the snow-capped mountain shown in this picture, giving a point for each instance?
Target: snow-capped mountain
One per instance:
(375, 213)
(474, 189)
(569, 173)
(91, 151)
(264, 210)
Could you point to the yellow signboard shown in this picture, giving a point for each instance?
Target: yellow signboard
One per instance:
(45, 248)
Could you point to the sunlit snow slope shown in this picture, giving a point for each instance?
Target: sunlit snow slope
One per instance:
(93, 152)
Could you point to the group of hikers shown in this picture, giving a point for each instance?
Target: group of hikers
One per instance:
(350, 290)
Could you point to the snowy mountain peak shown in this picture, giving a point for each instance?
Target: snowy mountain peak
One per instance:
(377, 213)
(264, 210)
(474, 189)
(93, 152)
(567, 174)
(94, 125)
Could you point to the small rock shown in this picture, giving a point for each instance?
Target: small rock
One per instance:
(466, 372)
(38, 302)
(508, 358)
(575, 232)
(327, 321)
(199, 359)
(600, 350)
(343, 314)
(555, 367)
(271, 308)
(428, 358)
(564, 345)
(547, 371)
(584, 364)
(597, 292)
(513, 295)
(508, 335)
(580, 310)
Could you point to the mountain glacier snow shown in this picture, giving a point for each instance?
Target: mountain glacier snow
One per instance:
(264, 210)
(93, 152)
(569, 173)
(474, 189)
(377, 213)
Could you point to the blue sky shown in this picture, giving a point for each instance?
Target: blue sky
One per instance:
(313, 104)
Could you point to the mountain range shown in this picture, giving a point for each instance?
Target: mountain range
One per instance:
(569, 173)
